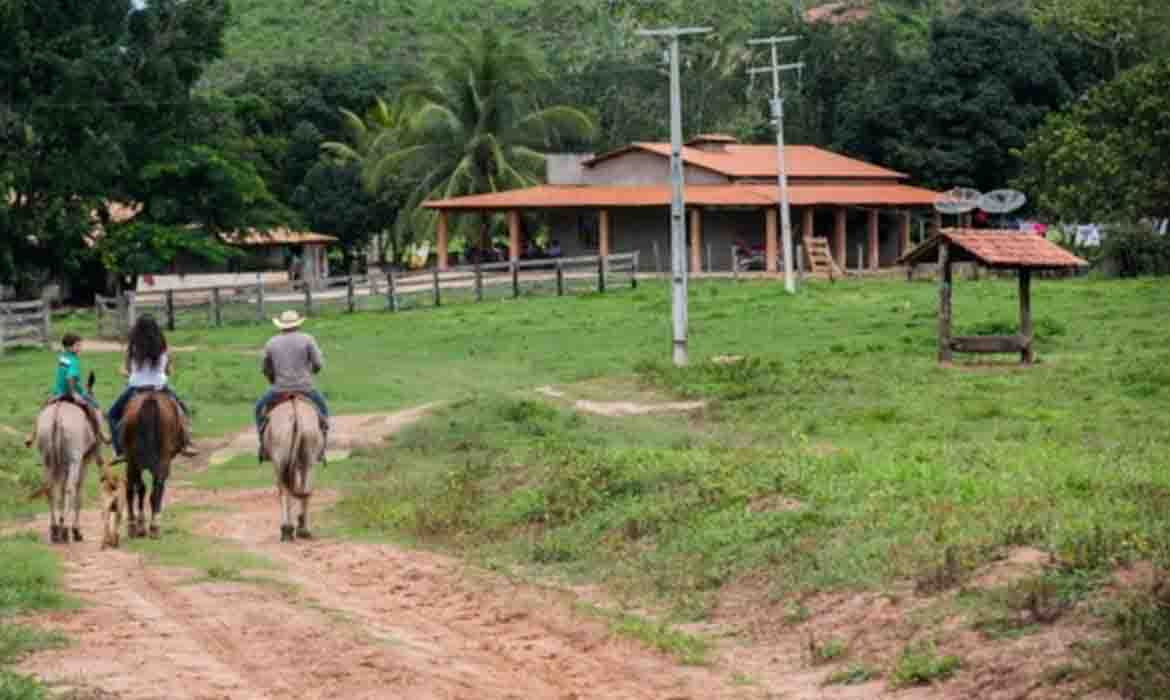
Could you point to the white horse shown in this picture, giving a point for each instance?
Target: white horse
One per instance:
(67, 443)
(294, 440)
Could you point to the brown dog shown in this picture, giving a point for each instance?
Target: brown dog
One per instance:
(112, 489)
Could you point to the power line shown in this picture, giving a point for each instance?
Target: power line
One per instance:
(678, 248)
(782, 173)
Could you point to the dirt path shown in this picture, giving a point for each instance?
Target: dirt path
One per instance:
(338, 619)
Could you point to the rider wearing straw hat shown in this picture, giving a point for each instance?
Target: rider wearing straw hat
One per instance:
(290, 361)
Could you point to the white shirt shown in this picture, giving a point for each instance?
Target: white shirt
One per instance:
(149, 376)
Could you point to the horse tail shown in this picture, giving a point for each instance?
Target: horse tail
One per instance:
(299, 460)
(147, 445)
(57, 447)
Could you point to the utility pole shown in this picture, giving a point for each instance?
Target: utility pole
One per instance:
(678, 216)
(782, 172)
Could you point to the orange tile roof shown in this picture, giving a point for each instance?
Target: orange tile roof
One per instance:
(745, 160)
(996, 248)
(632, 196)
(275, 236)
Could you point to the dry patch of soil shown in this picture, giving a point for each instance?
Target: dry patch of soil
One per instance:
(619, 409)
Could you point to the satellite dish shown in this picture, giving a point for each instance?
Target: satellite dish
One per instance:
(1002, 201)
(957, 201)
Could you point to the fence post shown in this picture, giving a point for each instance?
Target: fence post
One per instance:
(46, 320)
(216, 312)
(478, 281)
(130, 312)
(734, 263)
(170, 309)
(799, 261)
(634, 272)
(391, 291)
(657, 259)
(97, 311)
(515, 280)
(259, 298)
(860, 258)
(3, 324)
(601, 274)
(349, 300)
(435, 278)
(708, 258)
(560, 279)
(308, 298)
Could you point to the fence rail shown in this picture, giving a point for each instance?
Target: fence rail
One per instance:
(385, 291)
(25, 322)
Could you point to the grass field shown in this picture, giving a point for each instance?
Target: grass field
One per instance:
(836, 456)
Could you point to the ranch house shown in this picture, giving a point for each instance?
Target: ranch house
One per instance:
(858, 213)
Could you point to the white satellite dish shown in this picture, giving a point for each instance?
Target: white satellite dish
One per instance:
(960, 200)
(1002, 201)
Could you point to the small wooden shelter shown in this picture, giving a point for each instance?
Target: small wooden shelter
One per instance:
(996, 249)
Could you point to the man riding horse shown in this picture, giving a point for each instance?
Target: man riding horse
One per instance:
(291, 358)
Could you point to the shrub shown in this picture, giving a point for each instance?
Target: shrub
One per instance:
(920, 664)
(1136, 251)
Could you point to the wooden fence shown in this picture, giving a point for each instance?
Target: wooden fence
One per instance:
(25, 322)
(390, 291)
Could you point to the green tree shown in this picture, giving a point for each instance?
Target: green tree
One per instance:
(954, 117)
(477, 127)
(1127, 31)
(1108, 157)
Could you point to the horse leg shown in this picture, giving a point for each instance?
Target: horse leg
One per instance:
(286, 526)
(130, 503)
(73, 496)
(157, 488)
(51, 495)
(59, 510)
(303, 531)
(140, 495)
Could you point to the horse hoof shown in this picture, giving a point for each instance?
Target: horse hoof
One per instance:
(286, 533)
(54, 534)
(77, 535)
(304, 534)
(155, 532)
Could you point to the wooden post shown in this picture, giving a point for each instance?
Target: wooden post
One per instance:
(435, 279)
(170, 309)
(479, 281)
(441, 236)
(1027, 355)
(840, 220)
(601, 264)
(259, 298)
(130, 312)
(696, 241)
(515, 280)
(391, 291)
(47, 319)
(603, 235)
(308, 298)
(560, 279)
(734, 263)
(860, 257)
(216, 311)
(936, 223)
(904, 239)
(513, 235)
(98, 311)
(3, 325)
(874, 243)
(634, 272)
(657, 259)
(710, 263)
(944, 302)
(800, 261)
(770, 245)
(350, 302)
(808, 222)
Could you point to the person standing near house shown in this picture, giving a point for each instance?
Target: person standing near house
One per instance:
(291, 358)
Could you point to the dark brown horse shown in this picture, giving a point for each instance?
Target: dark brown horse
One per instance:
(151, 432)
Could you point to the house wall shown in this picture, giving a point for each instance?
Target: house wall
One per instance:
(641, 168)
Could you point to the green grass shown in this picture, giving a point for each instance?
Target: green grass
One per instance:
(920, 664)
(686, 648)
(30, 581)
(213, 557)
(838, 455)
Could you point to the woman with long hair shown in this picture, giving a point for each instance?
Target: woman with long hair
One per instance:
(146, 367)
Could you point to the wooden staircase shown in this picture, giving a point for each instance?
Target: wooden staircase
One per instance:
(820, 258)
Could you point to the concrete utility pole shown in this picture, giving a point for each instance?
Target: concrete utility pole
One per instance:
(782, 177)
(678, 216)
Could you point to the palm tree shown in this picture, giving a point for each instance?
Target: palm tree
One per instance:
(475, 126)
(370, 140)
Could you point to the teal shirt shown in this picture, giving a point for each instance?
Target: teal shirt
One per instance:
(68, 367)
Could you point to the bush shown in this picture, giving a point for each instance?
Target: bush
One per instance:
(1133, 252)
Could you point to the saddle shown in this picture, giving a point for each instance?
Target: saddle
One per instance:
(91, 414)
(285, 397)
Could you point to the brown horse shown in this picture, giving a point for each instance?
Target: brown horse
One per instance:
(294, 439)
(67, 442)
(152, 435)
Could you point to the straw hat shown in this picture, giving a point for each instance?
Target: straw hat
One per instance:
(288, 320)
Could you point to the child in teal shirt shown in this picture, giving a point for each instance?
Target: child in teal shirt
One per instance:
(68, 384)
